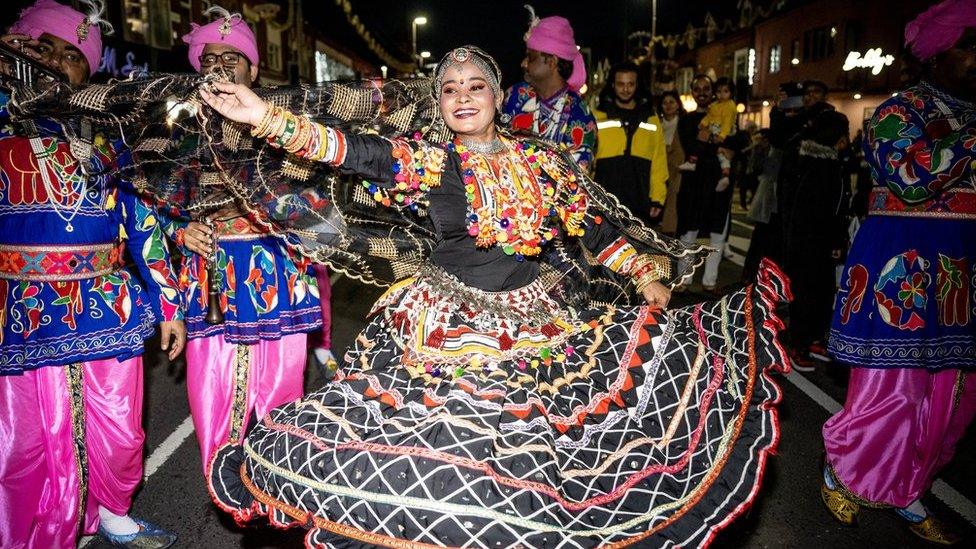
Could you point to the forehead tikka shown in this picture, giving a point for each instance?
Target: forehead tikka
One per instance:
(461, 55)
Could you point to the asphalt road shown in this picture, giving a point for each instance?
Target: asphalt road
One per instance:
(787, 512)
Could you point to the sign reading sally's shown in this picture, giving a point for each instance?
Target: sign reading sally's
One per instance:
(872, 59)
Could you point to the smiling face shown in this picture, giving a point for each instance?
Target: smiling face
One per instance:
(701, 89)
(467, 102)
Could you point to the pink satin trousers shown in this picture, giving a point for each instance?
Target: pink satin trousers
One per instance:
(230, 385)
(898, 427)
(71, 441)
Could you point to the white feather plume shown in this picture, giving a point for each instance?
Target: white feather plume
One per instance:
(220, 12)
(94, 10)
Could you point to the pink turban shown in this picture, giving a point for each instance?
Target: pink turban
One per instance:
(938, 28)
(76, 28)
(554, 35)
(230, 30)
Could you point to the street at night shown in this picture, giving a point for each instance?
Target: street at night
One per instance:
(787, 514)
(421, 274)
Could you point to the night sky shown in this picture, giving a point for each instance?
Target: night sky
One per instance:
(498, 25)
(495, 25)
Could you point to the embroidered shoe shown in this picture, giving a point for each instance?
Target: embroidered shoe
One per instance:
(842, 508)
(929, 528)
(149, 536)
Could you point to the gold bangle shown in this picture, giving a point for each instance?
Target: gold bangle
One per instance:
(649, 269)
(646, 280)
(258, 130)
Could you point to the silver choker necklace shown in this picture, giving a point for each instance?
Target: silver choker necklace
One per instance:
(481, 147)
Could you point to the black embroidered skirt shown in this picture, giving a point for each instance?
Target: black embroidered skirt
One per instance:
(478, 419)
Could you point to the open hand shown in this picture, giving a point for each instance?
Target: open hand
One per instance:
(235, 101)
(657, 295)
(173, 337)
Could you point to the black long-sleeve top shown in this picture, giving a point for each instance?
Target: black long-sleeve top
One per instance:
(490, 269)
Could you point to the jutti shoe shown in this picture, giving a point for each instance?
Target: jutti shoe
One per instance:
(840, 506)
(929, 528)
(149, 536)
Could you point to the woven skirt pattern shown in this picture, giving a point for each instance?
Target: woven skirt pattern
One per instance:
(616, 426)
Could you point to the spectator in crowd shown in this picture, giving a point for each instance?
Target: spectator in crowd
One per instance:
(703, 201)
(631, 160)
(816, 233)
(755, 155)
(670, 110)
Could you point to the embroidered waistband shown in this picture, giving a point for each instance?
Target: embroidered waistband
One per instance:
(238, 228)
(950, 204)
(59, 263)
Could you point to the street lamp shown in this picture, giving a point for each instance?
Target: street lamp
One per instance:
(417, 21)
(424, 54)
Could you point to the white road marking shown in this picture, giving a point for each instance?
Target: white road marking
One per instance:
(817, 394)
(167, 448)
(956, 501)
(173, 442)
(740, 243)
(156, 460)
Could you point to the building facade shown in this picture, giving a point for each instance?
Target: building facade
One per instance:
(853, 46)
(148, 37)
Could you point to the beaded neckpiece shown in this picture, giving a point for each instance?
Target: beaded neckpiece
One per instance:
(509, 202)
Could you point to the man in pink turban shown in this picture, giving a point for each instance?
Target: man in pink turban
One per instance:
(73, 318)
(912, 388)
(254, 360)
(548, 102)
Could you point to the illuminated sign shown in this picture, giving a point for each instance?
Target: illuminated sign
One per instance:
(109, 64)
(872, 59)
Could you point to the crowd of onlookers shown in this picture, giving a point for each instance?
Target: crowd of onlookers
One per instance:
(802, 180)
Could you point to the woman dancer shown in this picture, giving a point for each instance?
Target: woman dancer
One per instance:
(477, 407)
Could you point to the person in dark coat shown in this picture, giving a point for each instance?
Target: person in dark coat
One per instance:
(815, 227)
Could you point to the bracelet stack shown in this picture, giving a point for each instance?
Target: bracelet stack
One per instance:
(300, 136)
(648, 269)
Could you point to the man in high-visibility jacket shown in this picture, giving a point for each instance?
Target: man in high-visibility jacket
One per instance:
(631, 158)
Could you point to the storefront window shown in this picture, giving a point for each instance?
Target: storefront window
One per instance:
(775, 58)
(136, 15)
(327, 68)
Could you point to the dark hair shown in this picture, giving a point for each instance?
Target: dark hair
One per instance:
(816, 84)
(724, 81)
(623, 66)
(828, 127)
(607, 94)
(673, 94)
(563, 67)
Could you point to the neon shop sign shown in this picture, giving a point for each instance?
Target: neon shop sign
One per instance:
(872, 59)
